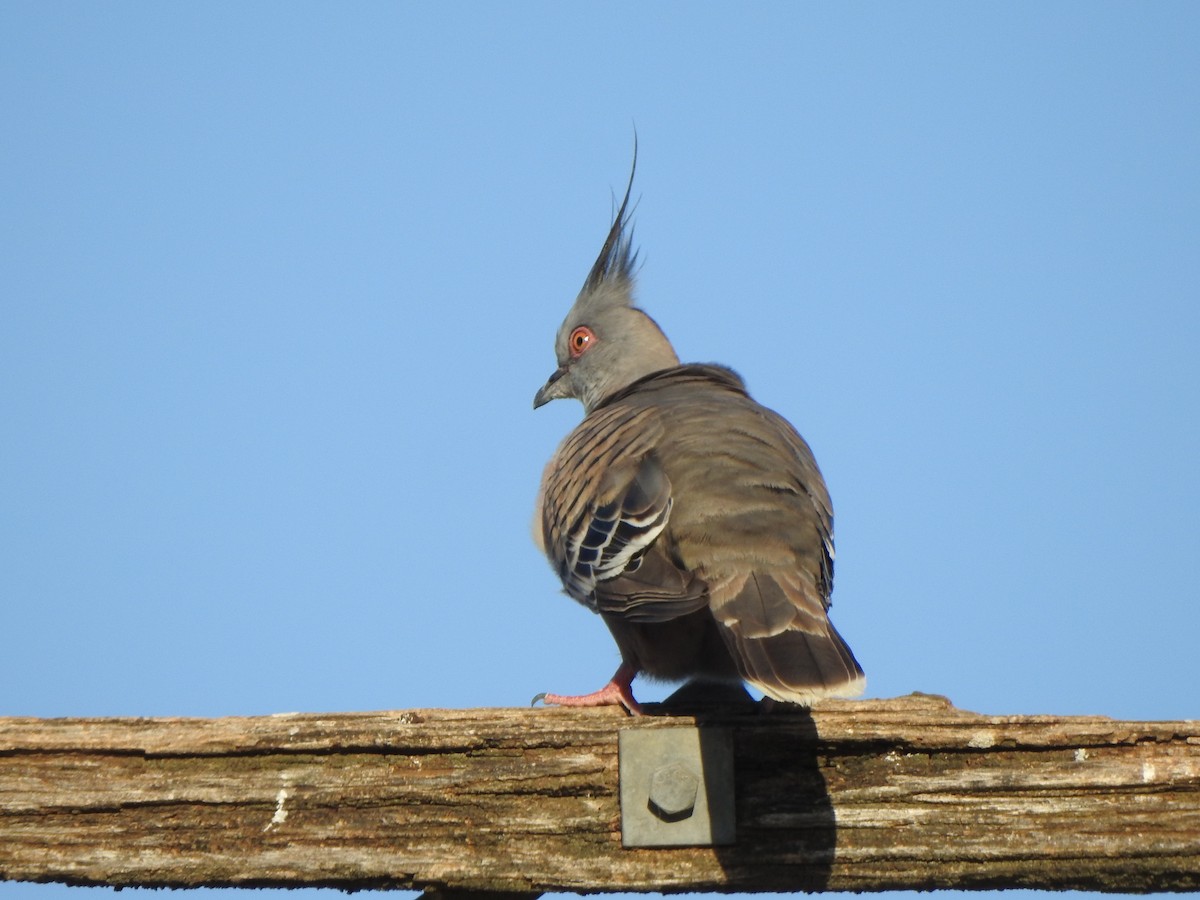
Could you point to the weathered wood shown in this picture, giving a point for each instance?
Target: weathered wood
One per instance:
(863, 796)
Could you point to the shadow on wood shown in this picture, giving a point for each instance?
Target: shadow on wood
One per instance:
(786, 831)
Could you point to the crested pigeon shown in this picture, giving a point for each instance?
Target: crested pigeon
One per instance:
(692, 519)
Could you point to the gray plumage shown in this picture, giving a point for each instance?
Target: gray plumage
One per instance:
(692, 519)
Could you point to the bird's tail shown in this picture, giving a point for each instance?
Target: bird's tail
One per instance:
(785, 645)
(799, 667)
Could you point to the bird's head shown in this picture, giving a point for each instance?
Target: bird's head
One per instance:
(606, 343)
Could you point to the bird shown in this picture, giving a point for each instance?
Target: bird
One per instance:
(692, 519)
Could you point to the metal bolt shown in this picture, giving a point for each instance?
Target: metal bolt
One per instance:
(673, 792)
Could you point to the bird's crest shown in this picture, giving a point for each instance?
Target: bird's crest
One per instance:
(617, 260)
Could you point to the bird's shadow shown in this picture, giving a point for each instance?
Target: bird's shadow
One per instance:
(784, 815)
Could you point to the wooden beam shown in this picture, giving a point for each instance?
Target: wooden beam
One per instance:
(874, 795)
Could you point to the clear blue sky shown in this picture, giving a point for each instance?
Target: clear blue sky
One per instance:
(278, 282)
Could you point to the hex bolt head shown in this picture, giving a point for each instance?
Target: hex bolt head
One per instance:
(673, 791)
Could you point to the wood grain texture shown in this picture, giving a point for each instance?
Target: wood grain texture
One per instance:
(909, 793)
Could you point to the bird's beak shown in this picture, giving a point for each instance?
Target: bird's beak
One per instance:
(556, 388)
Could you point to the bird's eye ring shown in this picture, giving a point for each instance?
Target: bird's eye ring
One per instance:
(581, 338)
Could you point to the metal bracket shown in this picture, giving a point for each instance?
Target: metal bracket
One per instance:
(676, 787)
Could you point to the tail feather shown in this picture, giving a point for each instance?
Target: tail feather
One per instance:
(797, 666)
(784, 644)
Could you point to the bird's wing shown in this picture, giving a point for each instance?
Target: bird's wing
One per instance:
(605, 502)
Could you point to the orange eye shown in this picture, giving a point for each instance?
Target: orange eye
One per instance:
(581, 338)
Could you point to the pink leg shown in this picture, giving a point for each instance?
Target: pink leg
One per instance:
(617, 692)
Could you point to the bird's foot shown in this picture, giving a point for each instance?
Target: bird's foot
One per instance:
(618, 692)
